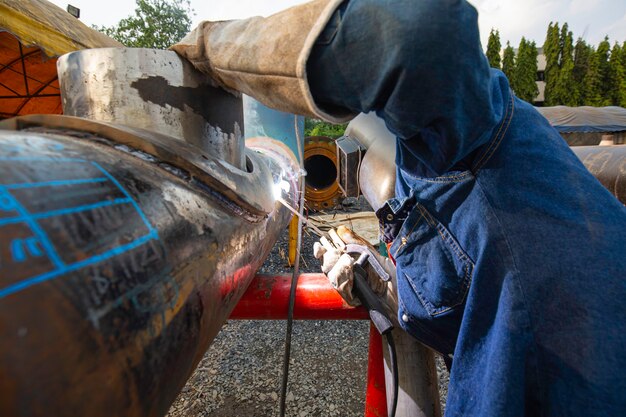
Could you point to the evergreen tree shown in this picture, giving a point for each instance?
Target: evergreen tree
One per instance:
(592, 86)
(582, 53)
(533, 54)
(524, 83)
(508, 62)
(493, 49)
(565, 88)
(617, 68)
(622, 95)
(602, 53)
(551, 50)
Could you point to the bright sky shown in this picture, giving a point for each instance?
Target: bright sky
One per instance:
(591, 19)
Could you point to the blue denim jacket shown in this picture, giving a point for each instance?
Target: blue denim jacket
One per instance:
(511, 256)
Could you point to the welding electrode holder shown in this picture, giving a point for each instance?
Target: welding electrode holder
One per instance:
(379, 317)
(368, 298)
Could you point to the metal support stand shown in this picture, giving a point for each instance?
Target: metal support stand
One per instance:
(267, 298)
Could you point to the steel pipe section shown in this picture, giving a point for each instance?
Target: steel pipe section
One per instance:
(156, 90)
(377, 174)
(122, 253)
(320, 162)
(608, 165)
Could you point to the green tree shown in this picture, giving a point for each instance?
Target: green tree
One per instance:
(602, 53)
(156, 24)
(622, 95)
(592, 86)
(617, 75)
(508, 62)
(315, 127)
(565, 88)
(493, 49)
(524, 81)
(582, 53)
(551, 50)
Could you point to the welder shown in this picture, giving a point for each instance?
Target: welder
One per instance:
(509, 255)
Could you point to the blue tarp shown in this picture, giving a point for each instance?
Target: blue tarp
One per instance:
(585, 119)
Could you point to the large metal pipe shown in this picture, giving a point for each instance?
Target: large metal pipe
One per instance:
(122, 253)
(377, 173)
(608, 165)
(320, 162)
(156, 90)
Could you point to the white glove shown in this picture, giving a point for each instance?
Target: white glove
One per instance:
(337, 265)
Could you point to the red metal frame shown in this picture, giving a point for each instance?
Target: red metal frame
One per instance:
(267, 298)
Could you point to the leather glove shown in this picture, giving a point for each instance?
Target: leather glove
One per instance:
(337, 265)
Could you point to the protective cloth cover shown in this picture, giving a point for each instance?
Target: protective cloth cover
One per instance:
(33, 33)
(585, 119)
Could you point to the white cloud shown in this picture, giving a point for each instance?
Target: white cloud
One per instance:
(515, 19)
(583, 6)
(223, 10)
(617, 31)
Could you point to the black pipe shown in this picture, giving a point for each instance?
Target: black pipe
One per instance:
(117, 267)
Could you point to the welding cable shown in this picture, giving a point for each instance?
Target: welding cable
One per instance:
(294, 277)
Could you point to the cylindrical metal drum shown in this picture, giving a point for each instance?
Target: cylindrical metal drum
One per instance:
(155, 90)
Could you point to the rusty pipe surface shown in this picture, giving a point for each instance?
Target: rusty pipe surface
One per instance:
(122, 253)
(320, 163)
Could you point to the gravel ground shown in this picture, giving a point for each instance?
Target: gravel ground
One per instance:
(240, 374)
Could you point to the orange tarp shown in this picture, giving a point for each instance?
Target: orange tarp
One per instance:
(33, 33)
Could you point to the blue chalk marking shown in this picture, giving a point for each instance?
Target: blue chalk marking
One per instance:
(12, 220)
(33, 247)
(9, 203)
(6, 203)
(17, 250)
(133, 202)
(18, 247)
(17, 147)
(55, 183)
(71, 210)
(20, 286)
(12, 148)
(37, 230)
(41, 159)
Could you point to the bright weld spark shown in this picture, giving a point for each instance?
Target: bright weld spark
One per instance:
(279, 188)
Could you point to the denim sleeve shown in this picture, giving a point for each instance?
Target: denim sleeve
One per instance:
(419, 65)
